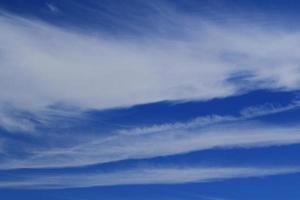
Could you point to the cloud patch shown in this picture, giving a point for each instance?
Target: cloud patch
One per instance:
(142, 176)
(42, 65)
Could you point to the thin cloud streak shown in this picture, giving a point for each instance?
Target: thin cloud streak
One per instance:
(207, 132)
(247, 113)
(138, 176)
(13, 124)
(111, 148)
(46, 69)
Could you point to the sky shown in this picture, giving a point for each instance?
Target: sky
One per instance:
(143, 100)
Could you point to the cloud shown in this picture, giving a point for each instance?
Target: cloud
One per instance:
(14, 124)
(42, 65)
(208, 132)
(53, 8)
(167, 175)
(247, 113)
(189, 58)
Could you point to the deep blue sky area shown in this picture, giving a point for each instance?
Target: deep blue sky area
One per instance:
(114, 16)
(143, 100)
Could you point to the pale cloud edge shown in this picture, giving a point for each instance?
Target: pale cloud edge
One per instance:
(210, 132)
(143, 176)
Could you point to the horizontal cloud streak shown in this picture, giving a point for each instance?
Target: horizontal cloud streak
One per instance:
(206, 132)
(67, 90)
(247, 113)
(138, 176)
(151, 143)
(42, 65)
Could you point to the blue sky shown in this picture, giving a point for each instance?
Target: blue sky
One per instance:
(168, 100)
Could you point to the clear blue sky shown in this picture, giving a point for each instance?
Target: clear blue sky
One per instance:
(132, 99)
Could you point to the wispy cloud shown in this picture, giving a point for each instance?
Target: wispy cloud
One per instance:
(42, 64)
(148, 142)
(247, 113)
(53, 8)
(169, 175)
(189, 58)
(15, 124)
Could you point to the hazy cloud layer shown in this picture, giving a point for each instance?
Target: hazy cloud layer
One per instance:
(42, 65)
(168, 175)
(203, 133)
(45, 69)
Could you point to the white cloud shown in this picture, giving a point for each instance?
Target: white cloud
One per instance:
(202, 133)
(151, 142)
(13, 124)
(52, 8)
(167, 175)
(42, 64)
(247, 113)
